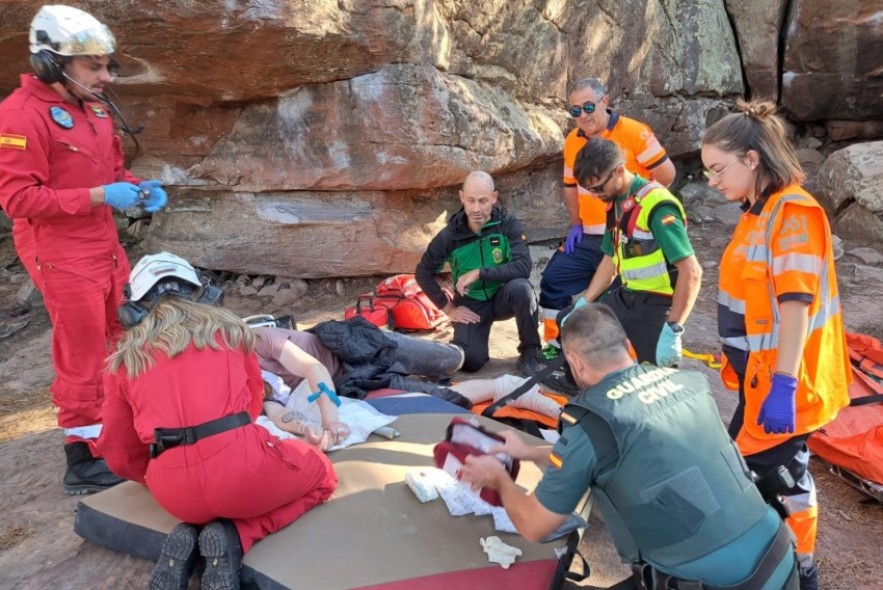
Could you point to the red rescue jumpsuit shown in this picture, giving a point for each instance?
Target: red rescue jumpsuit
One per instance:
(51, 153)
(247, 475)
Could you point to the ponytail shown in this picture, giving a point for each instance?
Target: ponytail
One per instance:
(756, 126)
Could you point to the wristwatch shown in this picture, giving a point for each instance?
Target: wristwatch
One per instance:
(675, 327)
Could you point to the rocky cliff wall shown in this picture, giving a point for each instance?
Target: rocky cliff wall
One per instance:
(327, 138)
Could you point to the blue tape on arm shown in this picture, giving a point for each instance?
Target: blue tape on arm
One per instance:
(327, 391)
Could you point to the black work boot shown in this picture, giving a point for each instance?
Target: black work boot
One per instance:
(220, 546)
(562, 383)
(177, 560)
(85, 474)
(530, 362)
(809, 578)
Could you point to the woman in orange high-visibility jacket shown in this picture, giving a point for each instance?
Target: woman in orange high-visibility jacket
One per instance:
(778, 308)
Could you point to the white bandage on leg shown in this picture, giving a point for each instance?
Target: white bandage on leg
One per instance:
(499, 552)
(532, 400)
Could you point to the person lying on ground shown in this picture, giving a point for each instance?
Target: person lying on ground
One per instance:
(361, 358)
(284, 353)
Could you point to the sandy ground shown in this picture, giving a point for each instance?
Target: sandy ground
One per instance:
(38, 548)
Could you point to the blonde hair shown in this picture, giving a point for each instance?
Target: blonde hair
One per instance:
(173, 324)
(756, 126)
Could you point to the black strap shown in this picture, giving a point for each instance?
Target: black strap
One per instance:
(781, 545)
(562, 570)
(524, 387)
(868, 399)
(166, 438)
(646, 577)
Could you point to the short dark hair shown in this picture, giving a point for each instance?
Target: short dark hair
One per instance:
(595, 158)
(593, 333)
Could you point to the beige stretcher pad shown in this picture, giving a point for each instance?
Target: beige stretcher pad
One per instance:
(373, 533)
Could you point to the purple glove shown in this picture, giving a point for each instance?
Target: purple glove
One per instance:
(574, 237)
(778, 409)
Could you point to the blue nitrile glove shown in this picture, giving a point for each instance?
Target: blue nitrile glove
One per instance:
(669, 347)
(778, 409)
(574, 237)
(121, 195)
(580, 302)
(157, 199)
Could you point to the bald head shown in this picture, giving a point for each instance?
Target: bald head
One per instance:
(478, 181)
(478, 197)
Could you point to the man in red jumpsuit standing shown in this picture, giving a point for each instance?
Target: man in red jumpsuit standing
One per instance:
(61, 172)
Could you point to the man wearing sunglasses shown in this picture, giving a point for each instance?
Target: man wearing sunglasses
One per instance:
(570, 270)
(646, 245)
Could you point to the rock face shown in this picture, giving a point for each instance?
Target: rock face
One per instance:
(833, 62)
(850, 186)
(758, 24)
(319, 138)
(822, 58)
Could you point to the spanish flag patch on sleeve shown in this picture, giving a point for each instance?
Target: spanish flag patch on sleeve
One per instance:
(669, 219)
(15, 142)
(556, 460)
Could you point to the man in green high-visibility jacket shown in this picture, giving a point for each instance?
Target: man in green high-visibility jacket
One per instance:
(490, 266)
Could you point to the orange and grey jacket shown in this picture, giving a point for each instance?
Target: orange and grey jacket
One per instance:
(783, 253)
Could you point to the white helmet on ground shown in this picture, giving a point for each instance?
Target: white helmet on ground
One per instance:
(158, 268)
(68, 31)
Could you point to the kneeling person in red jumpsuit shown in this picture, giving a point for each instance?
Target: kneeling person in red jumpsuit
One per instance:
(188, 368)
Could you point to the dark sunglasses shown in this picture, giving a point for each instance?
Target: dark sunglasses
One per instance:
(599, 188)
(575, 111)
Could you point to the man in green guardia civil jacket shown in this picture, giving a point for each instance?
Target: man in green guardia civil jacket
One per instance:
(487, 251)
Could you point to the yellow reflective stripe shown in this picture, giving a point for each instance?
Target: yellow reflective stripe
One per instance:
(800, 262)
(647, 272)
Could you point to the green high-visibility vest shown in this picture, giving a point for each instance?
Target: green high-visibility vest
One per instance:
(637, 255)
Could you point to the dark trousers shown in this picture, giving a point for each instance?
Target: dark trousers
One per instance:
(569, 274)
(516, 298)
(642, 316)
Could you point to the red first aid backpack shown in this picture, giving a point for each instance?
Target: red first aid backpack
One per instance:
(398, 303)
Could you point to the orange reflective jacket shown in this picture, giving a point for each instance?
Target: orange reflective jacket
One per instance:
(640, 149)
(786, 251)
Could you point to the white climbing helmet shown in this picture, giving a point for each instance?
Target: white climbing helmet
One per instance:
(65, 30)
(155, 268)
